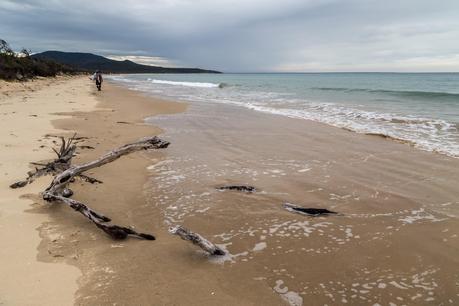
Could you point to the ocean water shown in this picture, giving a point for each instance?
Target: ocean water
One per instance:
(419, 108)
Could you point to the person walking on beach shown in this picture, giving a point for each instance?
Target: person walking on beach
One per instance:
(98, 78)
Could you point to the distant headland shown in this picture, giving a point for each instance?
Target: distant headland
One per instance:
(90, 62)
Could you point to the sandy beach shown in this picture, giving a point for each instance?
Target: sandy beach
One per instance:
(32, 113)
(394, 240)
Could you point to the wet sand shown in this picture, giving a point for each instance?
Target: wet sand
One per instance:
(394, 241)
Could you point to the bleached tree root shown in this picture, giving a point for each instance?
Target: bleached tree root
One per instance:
(196, 239)
(61, 163)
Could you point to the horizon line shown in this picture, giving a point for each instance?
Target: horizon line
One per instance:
(316, 72)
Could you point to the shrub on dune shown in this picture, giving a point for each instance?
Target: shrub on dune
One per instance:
(20, 66)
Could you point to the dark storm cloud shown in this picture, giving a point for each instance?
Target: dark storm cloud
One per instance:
(238, 35)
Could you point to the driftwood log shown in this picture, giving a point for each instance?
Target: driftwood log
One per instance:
(196, 239)
(114, 231)
(313, 212)
(65, 173)
(243, 188)
(61, 180)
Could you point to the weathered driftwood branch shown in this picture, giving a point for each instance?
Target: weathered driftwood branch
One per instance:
(58, 189)
(62, 179)
(65, 174)
(313, 212)
(196, 239)
(114, 231)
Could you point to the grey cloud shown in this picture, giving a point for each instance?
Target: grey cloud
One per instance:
(238, 35)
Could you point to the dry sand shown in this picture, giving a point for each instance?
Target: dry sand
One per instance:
(26, 111)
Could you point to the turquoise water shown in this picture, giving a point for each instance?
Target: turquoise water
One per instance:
(421, 108)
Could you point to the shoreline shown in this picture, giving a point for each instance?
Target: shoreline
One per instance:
(389, 112)
(376, 135)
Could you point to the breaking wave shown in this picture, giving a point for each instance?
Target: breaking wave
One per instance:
(188, 84)
(431, 131)
(434, 135)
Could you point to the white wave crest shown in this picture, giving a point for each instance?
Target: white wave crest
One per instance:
(433, 135)
(187, 84)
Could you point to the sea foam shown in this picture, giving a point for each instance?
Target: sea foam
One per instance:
(187, 84)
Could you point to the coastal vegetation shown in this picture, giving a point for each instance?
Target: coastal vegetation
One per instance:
(25, 65)
(22, 66)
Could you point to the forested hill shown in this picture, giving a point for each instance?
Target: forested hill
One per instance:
(91, 62)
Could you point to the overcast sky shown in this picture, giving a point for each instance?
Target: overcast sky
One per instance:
(245, 35)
